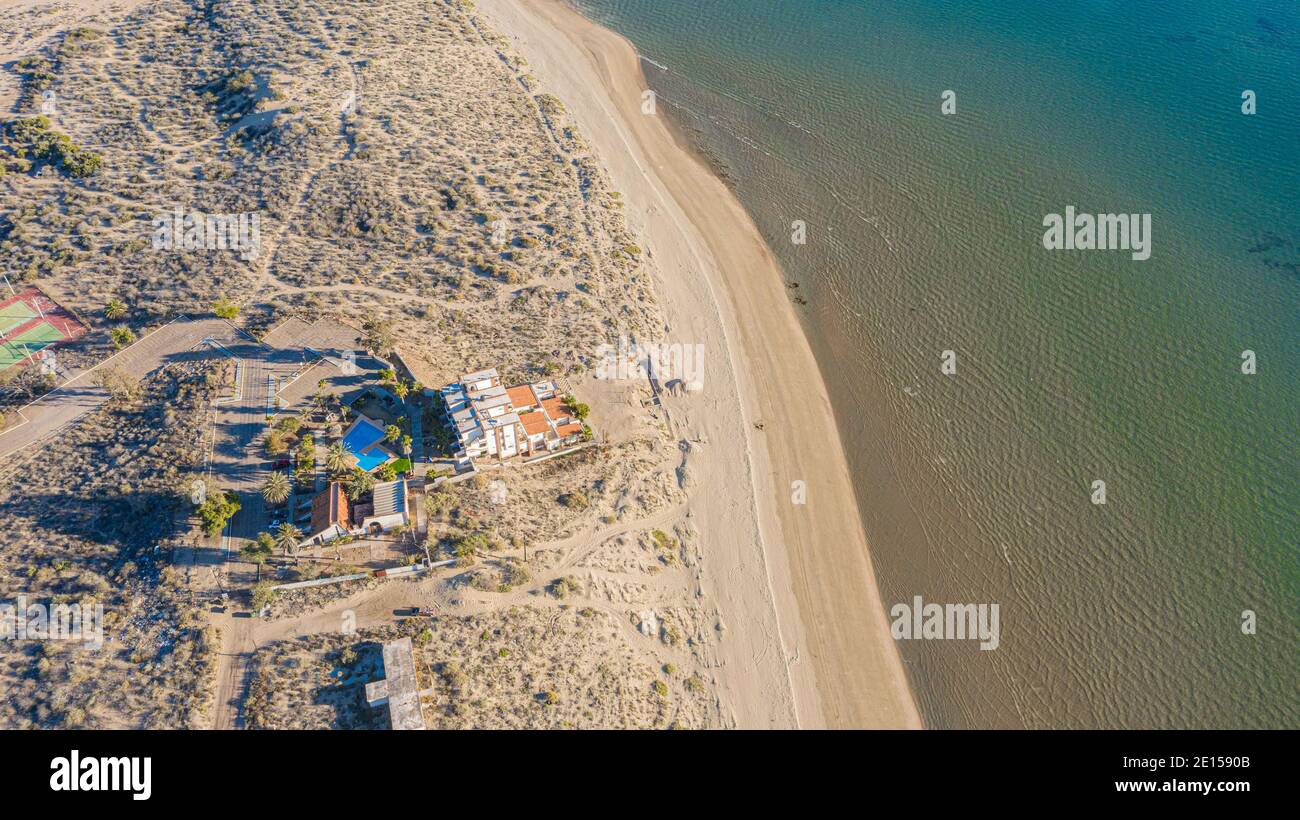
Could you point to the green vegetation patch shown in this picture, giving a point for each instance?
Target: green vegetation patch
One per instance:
(401, 465)
(34, 138)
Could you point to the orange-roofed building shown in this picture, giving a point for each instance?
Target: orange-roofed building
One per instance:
(522, 398)
(568, 433)
(329, 515)
(536, 430)
(491, 420)
(534, 423)
(557, 410)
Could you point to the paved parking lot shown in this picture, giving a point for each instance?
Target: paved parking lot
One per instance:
(283, 366)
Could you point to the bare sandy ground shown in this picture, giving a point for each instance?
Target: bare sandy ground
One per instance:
(805, 640)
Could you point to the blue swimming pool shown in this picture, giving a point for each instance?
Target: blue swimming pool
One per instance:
(362, 442)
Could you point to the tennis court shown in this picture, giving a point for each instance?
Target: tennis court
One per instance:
(30, 322)
(29, 342)
(14, 314)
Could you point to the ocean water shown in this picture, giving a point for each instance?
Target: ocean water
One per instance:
(924, 235)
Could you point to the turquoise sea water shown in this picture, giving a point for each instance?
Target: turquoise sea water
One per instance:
(924, 235)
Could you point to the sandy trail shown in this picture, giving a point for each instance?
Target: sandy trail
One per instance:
(805, 639)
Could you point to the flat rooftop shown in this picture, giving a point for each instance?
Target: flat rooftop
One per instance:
(390, 497)
(398, 689)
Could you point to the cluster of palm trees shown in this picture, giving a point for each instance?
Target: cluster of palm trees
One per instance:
(338, 462)
(396, 385)
(277, 488)
(286, 540)
(259, 551)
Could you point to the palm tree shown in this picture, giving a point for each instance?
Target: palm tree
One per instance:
(277, 488)
(287, 538)
(336, 459)
(122, 336)
(359, 484)
(115, 309)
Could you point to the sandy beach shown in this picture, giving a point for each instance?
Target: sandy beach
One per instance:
(805, 641)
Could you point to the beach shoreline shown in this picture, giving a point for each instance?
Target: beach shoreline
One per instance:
(804, 641)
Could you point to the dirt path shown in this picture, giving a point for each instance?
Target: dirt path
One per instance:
(232, 672)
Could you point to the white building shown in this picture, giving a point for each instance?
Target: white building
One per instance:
(491, 420)
(399, 689)
(390, 508)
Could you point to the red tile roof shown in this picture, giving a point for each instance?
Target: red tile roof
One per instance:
(522, 397)
(534, 423)
(557, 409)
(329, 507)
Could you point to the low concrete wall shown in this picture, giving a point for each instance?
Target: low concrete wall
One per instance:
(394, 572)
(320, 582)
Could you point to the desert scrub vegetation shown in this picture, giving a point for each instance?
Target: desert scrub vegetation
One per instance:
(92, 518)
(395, 152)
(411, 179)
(34, 140)
(523, 667)
(559, 497)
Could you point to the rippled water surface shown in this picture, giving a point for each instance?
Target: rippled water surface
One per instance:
(925, 235)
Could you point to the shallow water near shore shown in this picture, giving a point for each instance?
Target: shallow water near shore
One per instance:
(924, 236)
